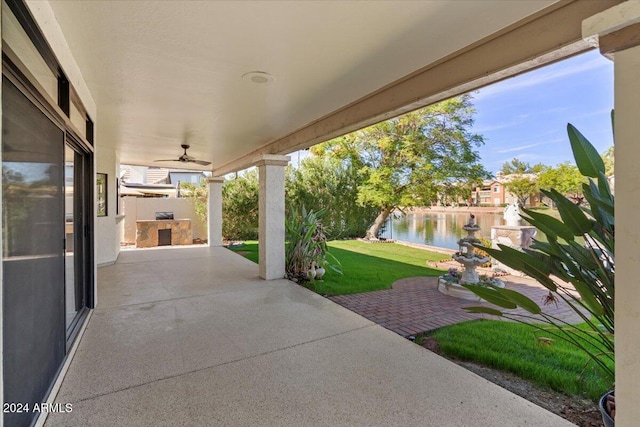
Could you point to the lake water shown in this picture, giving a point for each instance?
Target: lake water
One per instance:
(439, 229)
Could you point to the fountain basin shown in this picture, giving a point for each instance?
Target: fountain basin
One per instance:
(470, 275)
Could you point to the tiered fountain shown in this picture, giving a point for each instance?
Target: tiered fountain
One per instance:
(450, 283)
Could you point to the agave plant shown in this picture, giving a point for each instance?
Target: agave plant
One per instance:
(576, 264)
(306, 244)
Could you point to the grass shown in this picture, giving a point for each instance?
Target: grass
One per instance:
(513, 347)
(249, 250)
(366, 266)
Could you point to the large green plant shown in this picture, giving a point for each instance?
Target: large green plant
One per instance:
(240, 207)
(329, 184)
(576, 264)
(306, 244)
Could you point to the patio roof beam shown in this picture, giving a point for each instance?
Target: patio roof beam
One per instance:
(552, 34)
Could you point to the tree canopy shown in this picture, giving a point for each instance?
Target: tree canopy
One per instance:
(522, 187)
(565, 178)
(516, 166)
(409, 160)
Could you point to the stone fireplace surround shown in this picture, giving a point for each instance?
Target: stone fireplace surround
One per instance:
(147, 232)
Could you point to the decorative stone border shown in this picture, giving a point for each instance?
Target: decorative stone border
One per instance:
(376, 241)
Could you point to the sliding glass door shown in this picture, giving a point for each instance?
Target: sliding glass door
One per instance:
(33, 263)
(45, 236)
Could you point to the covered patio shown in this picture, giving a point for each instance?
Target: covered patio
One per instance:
(192, 336)
(195, 336)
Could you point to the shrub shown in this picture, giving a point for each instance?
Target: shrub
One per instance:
(306, 244)
(240, 207)
(331, 186)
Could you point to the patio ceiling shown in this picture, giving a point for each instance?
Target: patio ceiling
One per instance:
(166, 73)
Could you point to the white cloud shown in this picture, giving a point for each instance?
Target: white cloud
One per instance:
(518, 120)
(525, 147)
(495, 126)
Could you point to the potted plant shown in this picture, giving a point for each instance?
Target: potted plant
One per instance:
(579, 251)
(306, 251)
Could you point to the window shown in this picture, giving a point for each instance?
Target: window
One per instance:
(496, 189)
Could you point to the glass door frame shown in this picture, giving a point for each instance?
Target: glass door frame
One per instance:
(83, 242)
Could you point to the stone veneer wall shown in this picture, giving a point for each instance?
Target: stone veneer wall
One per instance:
(147, 232)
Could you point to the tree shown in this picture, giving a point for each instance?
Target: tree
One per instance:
(452, 192)
(515, 166)
(564, 178)
(518, 167)
(522, 187)
(407, 160)
(538, 168)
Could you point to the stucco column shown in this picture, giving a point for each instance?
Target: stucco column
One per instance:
(271, 230)
(214, 214)
(616, 31)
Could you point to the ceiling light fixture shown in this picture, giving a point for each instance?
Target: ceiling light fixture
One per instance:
(258, 77)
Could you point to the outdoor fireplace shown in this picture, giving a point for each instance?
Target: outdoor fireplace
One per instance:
(163, 232)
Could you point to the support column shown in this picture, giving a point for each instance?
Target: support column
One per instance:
(271, 232)
(214, 213)
(617, 32)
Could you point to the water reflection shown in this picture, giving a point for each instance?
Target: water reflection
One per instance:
(439, 228)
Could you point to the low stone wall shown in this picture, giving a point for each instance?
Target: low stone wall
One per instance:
(458, 209)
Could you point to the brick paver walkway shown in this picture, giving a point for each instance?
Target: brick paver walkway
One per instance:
(415, 305)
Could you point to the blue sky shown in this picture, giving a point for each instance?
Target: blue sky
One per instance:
(526, 116)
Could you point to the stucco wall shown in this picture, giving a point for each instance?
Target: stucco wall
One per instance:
(140, 209)
(107, 243)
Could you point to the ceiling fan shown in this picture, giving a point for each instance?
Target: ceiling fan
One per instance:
(185, 158)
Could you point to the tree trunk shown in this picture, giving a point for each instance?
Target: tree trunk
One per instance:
(373, 231)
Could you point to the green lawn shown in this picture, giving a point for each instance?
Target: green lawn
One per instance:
(366, 266)
(249, 250)
(513, 347)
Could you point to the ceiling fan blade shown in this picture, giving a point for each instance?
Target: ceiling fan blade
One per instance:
(167, 160)
(200, 162)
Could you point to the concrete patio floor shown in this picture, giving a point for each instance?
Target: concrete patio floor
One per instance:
(192, 337)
